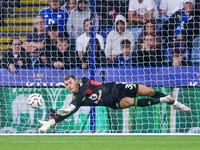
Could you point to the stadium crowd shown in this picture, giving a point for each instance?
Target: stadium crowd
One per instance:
(62, 35)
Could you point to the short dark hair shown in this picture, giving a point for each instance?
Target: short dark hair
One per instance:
(14, 38)
(125, 42)
(120, 21)
(63, 37)
(89, 20)
(53, 27)
(151, 34)
(69, 76)
(85, 1)
(152, 21)
(177, 51)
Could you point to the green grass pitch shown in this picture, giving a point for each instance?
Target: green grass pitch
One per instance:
(131, 142)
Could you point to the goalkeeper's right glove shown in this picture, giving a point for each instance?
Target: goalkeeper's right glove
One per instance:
(66, 111)
(46, 125)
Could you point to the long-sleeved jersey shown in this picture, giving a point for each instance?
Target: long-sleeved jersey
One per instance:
(92, 93)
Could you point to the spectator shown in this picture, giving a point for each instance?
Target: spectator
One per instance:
(34, 42)
(140, 11)
(62, 2)
(100, 56)
(182, 27)
(83, 39)
(178, 59)
(149, 54)
(149, 27)
(50, 45)
(76, 18)
(69, 5)
(16, 57)
(125, 58)
(169, 7)
(107, 11)
(116, 36)
(54, 14)
(63, 57)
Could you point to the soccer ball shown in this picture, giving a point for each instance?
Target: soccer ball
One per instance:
(35, 100)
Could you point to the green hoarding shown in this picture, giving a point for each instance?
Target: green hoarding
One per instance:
(18, 117)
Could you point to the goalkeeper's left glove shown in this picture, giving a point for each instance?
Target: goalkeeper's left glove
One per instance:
(46, 125)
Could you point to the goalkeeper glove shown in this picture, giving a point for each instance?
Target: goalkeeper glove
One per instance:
(67, 111)
(46, 125)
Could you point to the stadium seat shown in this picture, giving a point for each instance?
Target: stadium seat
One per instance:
(195, 56)
(136, 32)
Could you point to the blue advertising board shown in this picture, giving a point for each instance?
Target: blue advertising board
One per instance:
(164, 76)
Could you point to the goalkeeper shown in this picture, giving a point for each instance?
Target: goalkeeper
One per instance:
(117, 96)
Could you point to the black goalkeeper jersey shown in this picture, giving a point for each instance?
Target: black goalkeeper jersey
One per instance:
(92, 93)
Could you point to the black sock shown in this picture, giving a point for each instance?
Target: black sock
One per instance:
(157, 94)
(146, 102)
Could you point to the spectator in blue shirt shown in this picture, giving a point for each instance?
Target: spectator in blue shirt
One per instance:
(182, 27)
(55, 14)
(125, 58)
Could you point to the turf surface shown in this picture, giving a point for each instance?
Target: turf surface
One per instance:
(100, 142)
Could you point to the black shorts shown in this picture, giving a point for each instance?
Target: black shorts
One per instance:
(126, 90)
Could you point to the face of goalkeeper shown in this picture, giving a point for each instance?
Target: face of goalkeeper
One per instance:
(71, 85)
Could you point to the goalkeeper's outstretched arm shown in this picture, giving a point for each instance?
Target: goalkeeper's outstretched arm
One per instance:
(62, 114)
(65, 113)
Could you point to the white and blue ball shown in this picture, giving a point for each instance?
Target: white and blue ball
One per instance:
(35, 100)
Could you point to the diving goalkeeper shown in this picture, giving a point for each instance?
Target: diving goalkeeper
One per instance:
(116, 96)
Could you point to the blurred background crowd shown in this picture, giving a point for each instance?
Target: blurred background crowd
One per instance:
(128, 33)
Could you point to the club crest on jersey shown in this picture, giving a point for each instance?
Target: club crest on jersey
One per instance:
(95, 98)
